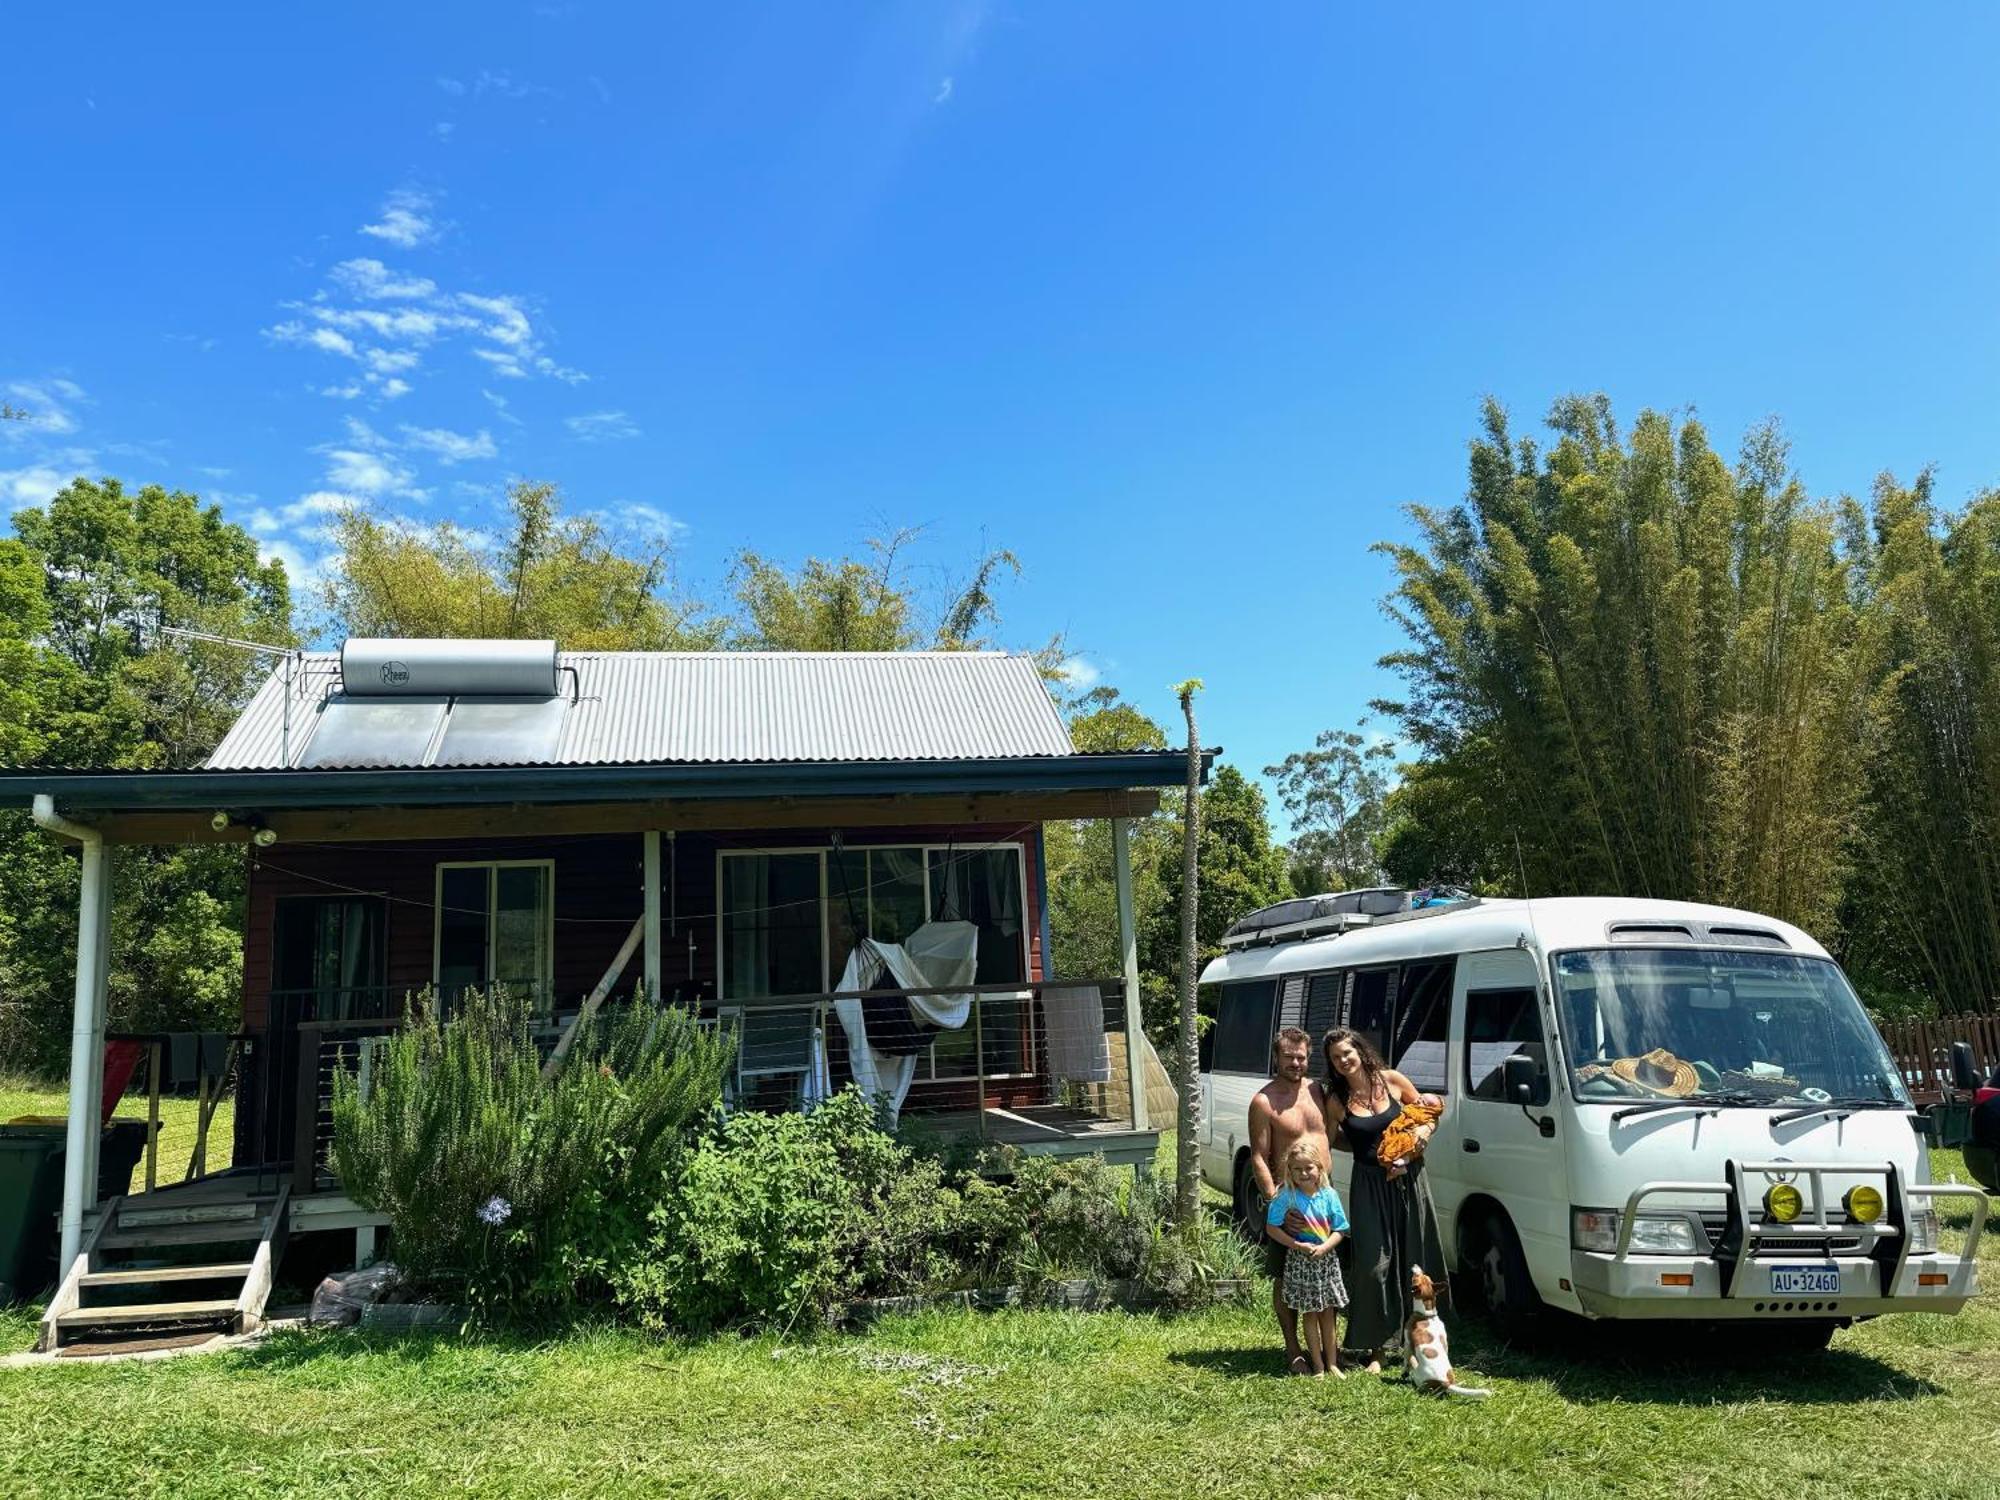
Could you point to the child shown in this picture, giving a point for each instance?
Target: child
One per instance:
(1312, 1286)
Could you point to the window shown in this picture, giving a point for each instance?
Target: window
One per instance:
(1243, 1027)
(1500, 1024)
(327, 956)
(790, 921)
(496, 926)
(772, 935)
(1323, 994)
(1423, 1020)
(1368, 1005)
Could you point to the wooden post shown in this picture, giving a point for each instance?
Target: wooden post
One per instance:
(1128, 947)
(652, 863)
(152, 1116)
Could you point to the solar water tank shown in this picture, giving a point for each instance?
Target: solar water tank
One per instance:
(378, 668)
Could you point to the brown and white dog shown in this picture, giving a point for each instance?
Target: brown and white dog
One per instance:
(1429, 1356)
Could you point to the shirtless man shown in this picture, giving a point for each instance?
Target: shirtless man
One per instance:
(1286, 1109)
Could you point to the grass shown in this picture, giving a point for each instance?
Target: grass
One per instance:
(19, 1096)
(1021, 1403)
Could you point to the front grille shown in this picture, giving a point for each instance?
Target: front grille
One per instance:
(1714, 1223)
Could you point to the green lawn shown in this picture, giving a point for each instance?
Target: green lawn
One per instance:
(177, 1124)
(1024, 1403)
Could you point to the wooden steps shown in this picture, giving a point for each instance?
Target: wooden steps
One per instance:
(156, 1275)
(128, 1315)
(96, 1294)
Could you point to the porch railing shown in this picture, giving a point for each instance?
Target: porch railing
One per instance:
(211, 1085)
(1038, 1058)
(1922, 1050)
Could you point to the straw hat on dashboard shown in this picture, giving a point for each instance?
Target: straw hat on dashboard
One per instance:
(1658, 1072)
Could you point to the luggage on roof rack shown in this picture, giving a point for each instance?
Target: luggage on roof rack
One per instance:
(1335, 911)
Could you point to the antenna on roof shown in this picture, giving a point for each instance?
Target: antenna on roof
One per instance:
(288, 657)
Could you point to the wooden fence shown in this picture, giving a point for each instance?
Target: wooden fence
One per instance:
(1923, 1051)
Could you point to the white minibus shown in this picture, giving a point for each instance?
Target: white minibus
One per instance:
(1654, 1109)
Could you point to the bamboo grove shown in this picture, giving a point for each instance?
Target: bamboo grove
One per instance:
(1635, 667)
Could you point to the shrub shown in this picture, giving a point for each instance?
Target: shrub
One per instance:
(505, 1189)
(784, 1219)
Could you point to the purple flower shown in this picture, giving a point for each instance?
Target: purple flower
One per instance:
(495, 1211)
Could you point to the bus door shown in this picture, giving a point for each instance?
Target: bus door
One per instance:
(1504, 1150)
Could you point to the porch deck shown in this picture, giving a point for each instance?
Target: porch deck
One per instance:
(1047, 1130)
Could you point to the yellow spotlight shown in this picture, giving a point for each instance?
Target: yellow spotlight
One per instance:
(1863, 1204)
(1784, 1202)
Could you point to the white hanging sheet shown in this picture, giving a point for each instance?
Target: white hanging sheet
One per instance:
(950, 957)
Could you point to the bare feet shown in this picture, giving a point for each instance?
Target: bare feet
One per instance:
(1337, 1373)
(1374, 1367)
(1299, 1366)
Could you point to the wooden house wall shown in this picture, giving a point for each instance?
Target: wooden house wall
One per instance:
(599, 893)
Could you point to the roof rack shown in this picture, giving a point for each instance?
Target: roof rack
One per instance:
(1335, 912)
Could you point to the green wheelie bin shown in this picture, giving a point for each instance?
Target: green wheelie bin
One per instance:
(31, 1178)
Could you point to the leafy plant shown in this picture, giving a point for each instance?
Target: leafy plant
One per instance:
(781, 1219)
(503, 1187)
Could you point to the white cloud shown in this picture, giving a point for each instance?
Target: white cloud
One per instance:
(451, 447)
(502, 362)
(214, 473)
(367, 277)
(366, 473)
(392, 388)
(1078, 671)
(47, 403)
(943, 94)
(500, 408)
(406, 220)
(329, 340)
(601, 427)
(651, 518)
(392, 362)
(451, 86)
(33, 485)
(346, 392)
(509, 325)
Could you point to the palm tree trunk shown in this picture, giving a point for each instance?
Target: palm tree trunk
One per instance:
(1187, 1152)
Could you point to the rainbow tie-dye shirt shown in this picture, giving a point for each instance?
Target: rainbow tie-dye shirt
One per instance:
(1322, 1213)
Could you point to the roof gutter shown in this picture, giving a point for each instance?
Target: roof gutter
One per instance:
(458, 786)
(86, 1047)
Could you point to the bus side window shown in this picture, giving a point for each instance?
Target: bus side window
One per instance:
(1369, 1004)
(1244, 1027)
(1423, 1025)
(1498, 1025)
(1323, 994)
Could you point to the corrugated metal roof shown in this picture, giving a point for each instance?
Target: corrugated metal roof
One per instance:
(731, 707)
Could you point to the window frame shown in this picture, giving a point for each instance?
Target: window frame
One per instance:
(1545, 1088)
(1029, 1057)
(491, 867)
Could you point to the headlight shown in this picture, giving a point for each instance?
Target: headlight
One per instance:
(1923, 1231)
(1652, 1234)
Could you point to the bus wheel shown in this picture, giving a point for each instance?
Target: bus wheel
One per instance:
(1500, 1274)
(1244, 1201)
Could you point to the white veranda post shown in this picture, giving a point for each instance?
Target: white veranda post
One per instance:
(86, 1054)
(1128, 947)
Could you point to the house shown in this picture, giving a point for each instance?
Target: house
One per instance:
(722, 828)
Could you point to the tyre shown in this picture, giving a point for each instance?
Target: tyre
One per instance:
(1243, 1200)
(1498, 1273)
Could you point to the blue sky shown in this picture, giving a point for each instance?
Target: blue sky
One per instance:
(1180, 302)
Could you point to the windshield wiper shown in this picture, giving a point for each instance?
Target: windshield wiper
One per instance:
(1693, 1101)
(1841, 1107)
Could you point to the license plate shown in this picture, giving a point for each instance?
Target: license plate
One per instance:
(1805, 1279)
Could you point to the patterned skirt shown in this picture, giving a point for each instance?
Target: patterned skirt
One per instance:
(1312, 1282)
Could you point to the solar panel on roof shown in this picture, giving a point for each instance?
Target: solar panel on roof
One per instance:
(353, 732)
(502, 732)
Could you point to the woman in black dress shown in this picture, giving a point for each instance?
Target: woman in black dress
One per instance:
(1394, 1222)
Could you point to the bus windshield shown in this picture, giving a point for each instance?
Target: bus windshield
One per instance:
(1732, 1027)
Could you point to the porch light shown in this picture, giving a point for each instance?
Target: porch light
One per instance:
(1784, 1202)
(264, 838)
(219, 821)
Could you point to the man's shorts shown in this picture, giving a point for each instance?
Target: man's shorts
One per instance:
(1274, 1255)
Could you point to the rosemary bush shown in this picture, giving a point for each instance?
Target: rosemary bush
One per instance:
(504, 1189)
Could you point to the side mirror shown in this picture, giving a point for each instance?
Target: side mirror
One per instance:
(1964, 1071)
(1520, 1077)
